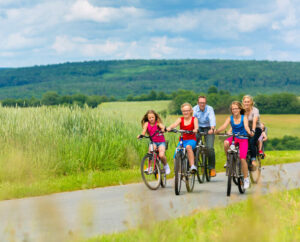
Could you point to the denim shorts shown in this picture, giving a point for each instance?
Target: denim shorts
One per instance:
(190, 142)
(159, 144)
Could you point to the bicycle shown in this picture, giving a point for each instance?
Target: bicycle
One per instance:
(234, 165)
(254, 174)
(152, 168)
(182, 172)
(202, 166)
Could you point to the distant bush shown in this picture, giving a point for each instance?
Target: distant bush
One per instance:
(285, 143)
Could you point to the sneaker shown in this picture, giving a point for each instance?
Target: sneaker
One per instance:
(260, 152)
(213, 173)
(246, 183)
(193, 168)
(148, 171)
(167, 169)
(225, 165)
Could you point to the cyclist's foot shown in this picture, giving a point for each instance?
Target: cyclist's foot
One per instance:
(260, 152)
(148, 170)
(193, 169)
(246, 183)
(213, 172)
(167, 169)
(225, 165)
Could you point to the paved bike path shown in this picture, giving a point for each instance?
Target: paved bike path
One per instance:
(60, 216)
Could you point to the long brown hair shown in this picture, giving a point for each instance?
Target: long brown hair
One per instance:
(237, 103)
(145, 117)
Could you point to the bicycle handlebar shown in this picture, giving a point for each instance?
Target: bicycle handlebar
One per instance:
(181, 131)
(232, 134)
(149, 137)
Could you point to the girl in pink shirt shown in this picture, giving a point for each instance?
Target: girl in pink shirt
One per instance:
(151, 122)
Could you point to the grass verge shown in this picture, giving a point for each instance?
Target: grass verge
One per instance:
(273, 217)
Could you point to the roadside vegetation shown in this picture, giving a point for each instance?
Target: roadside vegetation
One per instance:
(53, 149)
(273, 217)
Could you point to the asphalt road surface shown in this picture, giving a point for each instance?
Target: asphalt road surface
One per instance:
(87, 213)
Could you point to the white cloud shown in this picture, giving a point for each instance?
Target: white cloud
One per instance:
(83, 10)
(237, 51)
(160, 48)
(84, 47)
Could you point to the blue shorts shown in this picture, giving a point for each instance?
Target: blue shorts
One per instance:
(190, 142)
(159, 144)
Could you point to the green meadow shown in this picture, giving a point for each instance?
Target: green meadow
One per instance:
(52, 149)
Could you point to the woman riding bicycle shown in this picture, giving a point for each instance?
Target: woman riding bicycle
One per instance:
(190, 123)
(151, 122)
(239, 125)
(252, 114)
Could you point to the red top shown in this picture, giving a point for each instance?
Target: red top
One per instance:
(189, 127)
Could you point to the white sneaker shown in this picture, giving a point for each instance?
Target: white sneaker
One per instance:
(246, 183)
(225, 165)
(193, 168)
(148, 170)
(167, 169)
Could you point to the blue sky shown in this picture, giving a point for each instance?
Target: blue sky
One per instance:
(48, 31)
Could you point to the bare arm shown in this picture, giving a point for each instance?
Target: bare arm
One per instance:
(161, 126)
(224, 126)
(174, 125)
(247, 126)
(265, 138)
(195, 125)
(254, 123)
(144, 129)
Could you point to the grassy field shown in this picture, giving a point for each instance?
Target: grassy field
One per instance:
(273, 217)
(53, 149)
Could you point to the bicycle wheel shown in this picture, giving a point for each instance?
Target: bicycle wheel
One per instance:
(198, 164)
(189, 177)
(151, 174)
(238, 170)
(255, 175)
(229, 174)
(207, 170)
(241, 185)
(178, 173)
(163, 180)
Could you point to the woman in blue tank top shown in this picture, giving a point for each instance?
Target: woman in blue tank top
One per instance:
(239, 125)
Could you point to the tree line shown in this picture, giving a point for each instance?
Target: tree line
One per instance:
(136, 77)
(220, 100)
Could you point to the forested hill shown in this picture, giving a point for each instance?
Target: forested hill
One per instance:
(121, 78)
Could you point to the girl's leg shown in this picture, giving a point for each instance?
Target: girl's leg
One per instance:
(190, 154)
(253, 142)
(162, 156)
(244, 168)
(226, 146)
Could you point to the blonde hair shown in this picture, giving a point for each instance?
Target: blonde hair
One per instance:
(240, 106)
(189, 105)
(251, 99)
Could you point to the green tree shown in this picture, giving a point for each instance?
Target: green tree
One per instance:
(50, 98)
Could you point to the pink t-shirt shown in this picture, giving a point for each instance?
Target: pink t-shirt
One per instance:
(156, 137)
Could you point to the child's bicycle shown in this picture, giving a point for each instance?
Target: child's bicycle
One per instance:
(234, 165)
(152, 168)
(182, 171)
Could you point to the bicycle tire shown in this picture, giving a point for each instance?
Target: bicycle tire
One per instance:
(229, 174)
(199, 167)
(163, 180)
(189, 177)
(207, 171)
(238, 172)
(241, 185)
(152, 179)
(177, 175)
(255, 175)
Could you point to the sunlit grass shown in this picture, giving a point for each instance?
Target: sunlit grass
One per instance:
(272, 217)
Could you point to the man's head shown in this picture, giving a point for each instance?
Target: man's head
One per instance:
(202, 102)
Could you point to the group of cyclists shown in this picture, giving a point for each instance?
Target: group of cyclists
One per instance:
(244, 120)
